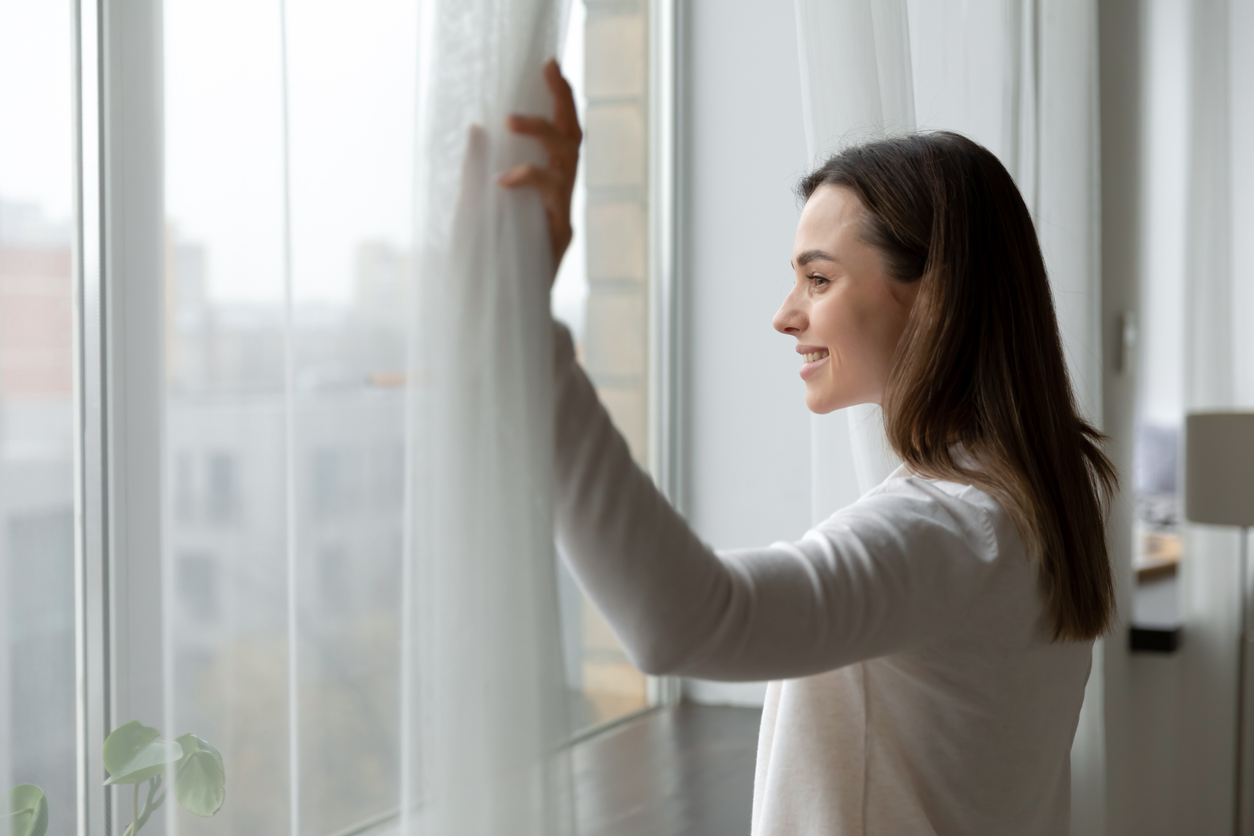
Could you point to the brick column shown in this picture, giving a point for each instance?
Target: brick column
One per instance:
(616, 171)
(616, 335)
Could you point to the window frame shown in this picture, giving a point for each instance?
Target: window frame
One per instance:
(119, 369)
(665, 384)
(123, 583)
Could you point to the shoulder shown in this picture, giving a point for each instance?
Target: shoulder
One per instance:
(927, 510)
(924, 546)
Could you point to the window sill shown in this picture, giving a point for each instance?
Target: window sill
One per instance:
(685, 769)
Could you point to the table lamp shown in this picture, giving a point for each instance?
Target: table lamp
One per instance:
(1219, 490)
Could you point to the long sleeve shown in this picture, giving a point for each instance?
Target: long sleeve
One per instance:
(893, 572)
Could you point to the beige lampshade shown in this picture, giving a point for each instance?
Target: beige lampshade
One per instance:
(1219, 468)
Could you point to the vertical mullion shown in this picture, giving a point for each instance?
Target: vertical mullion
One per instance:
(664, 296)
(289, 456)
(119, 379)
(91, 576)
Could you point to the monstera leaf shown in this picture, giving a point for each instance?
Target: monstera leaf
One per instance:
(133, 753)
(28, 811)
(200, 782)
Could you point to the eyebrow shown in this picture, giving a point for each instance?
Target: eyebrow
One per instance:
(814, 255)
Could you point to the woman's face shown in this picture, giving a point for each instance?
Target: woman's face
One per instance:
(846, 312)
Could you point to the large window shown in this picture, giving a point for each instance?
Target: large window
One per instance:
(234, 568)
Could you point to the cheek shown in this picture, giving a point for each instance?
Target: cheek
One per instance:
(842, 323)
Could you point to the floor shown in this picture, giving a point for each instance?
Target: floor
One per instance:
(681, 771)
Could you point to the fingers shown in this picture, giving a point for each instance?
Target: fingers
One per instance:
(548, 182)
(566, 117)
(554, 196)
(561, 138)
(561, 147)
(554, 193)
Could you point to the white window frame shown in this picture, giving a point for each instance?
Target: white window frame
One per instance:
(665, 292)
(119, 371)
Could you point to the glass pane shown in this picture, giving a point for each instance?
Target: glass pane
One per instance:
(352, 94)
(1157, 541)
(286, 469)
(37, 678)
(602, 293)
(226, 534)
(286, 398)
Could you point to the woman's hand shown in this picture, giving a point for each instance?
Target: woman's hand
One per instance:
(556, 181)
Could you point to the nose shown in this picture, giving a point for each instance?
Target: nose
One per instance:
(792, 318)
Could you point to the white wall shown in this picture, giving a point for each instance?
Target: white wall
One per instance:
(746, 453)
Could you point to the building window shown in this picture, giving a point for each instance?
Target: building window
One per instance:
(222, 483)
(334, 481)
(198, 586)
(184, 488)
(335, 584)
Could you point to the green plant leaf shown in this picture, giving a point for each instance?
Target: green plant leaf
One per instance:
(200, 784)
(125, 741)
(28, 811)
(133, 753)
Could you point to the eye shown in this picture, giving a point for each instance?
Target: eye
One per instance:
(819, 281)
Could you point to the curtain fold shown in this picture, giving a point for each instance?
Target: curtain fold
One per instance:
(856, 84)
(484, 717)
(1021, 79)
(1218, 374)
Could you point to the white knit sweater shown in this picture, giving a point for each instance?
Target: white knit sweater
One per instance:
(915, 689)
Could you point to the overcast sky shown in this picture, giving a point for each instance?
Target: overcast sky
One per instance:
(352, 92)
(351, 115)
(36, 152)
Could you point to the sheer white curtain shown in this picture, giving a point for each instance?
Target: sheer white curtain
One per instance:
(483, 684)
(359, 556)
(1218, 329)
(1020, 77)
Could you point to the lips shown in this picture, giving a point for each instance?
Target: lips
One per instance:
(814, 357)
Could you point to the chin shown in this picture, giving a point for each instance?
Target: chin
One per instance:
(821, 403)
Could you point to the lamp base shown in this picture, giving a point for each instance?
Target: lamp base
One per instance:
(1154, 639)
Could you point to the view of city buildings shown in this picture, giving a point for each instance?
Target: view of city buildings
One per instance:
(253, 434)
(227, 476)
(226, 443)
(227, 423)
(37, 503)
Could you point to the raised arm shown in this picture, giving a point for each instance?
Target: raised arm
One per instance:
(897, 570)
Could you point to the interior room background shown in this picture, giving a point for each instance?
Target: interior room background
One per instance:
(254, 484)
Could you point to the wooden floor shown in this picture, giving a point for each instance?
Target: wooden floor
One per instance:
(682, 771)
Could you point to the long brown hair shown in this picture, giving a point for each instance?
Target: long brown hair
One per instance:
(980, 361)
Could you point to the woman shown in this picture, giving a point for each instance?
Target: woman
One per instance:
(928, 646)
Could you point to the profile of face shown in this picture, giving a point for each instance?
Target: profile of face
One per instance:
(846, 312)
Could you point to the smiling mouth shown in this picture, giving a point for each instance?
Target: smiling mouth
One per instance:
(813, 362)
